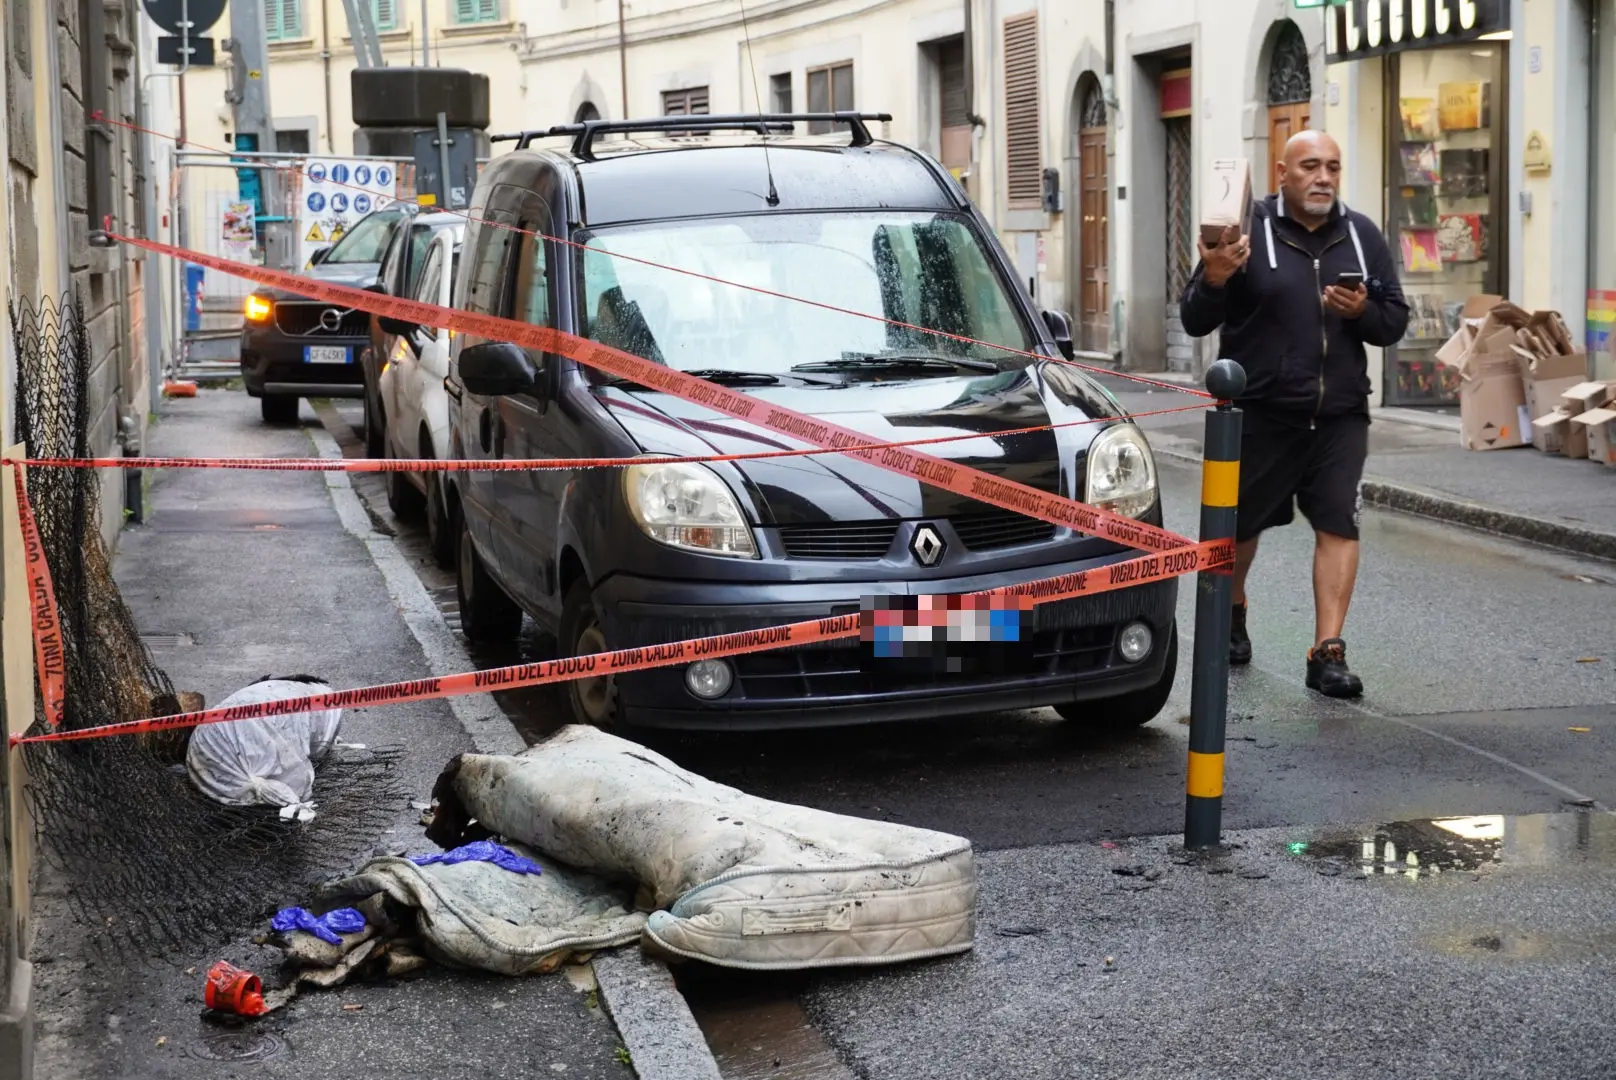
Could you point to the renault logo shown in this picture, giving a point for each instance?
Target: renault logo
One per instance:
(331, 319)
(927, 546)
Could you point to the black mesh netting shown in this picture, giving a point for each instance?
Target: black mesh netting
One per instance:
(148, 866)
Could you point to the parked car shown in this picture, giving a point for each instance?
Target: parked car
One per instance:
(617, 558)
(414, 400)
(400, 273)
(293, 347)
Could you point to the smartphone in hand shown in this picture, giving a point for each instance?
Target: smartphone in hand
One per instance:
(1349, 279)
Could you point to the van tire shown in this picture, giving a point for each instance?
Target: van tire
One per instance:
(591, 701)
(1131, 710)
(487, 612)
(403, 497)
(440, 530)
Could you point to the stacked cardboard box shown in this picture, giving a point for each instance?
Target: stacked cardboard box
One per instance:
(1523, 380)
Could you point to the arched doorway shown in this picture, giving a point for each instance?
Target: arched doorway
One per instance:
(1094, 219)
(586, 111)
(1290, 94)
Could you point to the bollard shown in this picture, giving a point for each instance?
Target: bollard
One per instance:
(1214, 604)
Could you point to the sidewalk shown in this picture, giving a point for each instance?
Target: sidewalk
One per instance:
(242, 575)
(1416, 465)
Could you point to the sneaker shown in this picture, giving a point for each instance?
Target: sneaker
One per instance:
(1327, 671)
(1239, 640)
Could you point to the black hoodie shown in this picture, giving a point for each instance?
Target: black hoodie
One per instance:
(1301, 361)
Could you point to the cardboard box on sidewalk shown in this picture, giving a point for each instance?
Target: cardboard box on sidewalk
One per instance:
(1545, 379)
(1582, 398)
(1550, 431)
(1599, 432)
(1492, 394)
(1226, 200)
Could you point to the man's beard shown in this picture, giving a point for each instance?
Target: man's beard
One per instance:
(1316, 203)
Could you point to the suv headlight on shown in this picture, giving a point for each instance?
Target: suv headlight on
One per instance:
(1122, 473)
(687, 506)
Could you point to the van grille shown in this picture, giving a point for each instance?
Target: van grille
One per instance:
(987, 530)
(999, 529)
(834, 669)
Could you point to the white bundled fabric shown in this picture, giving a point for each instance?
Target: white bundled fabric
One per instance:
(748, 883)
(268, 761)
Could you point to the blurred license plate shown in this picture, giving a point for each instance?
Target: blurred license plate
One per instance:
(947, 634)
(325, 354)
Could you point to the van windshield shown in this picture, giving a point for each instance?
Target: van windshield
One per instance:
(927, 270)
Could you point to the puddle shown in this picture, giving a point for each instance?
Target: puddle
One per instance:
(1511, 944)
(1433, 846)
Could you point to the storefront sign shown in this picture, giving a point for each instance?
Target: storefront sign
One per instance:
(1360, 28)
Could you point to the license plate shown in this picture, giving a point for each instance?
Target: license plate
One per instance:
(325, 354)
(947, 634)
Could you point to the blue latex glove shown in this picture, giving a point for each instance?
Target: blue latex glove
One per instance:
(325, 927)
(481, 851)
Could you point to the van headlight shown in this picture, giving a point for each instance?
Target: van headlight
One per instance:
(687, 506)
(1122, 473)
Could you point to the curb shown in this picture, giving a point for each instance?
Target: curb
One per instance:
(659, 1031)
(1444, 508)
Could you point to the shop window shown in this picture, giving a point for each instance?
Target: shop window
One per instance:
(1023, 130)
(1602, 198)
(1447, 223)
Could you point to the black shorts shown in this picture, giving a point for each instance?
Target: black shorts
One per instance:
(1319, 468)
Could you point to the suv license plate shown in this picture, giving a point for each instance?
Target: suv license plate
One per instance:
(325, 354)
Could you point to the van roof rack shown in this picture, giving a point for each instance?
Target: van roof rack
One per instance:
(585, 132)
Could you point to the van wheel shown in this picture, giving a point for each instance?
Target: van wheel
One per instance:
(440, 532)
(593, 701)
(278, 409)
(487, 612)
(1128, 711)
(375, 428)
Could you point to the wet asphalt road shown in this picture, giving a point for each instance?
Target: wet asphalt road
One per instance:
(1478, 656)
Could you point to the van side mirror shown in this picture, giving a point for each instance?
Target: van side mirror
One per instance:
(497, 368)
(1060, 328)
(397, 327)
(319, 256)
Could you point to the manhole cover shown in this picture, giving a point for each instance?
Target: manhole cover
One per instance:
(239, 1046)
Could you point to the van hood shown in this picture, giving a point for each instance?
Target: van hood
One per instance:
(836, 487)
(358, 275)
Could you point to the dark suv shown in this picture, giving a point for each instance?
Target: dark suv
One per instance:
(293, 347)
(658, 552)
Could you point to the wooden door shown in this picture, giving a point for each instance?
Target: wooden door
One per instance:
(1283, 122)
(1094, 317)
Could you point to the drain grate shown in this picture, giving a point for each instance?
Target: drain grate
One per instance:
(238, 1046)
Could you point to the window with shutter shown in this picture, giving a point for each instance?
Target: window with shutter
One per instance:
(283, 20)
(1023, 131)
(475, 11)
(385, 13)
(691, 102)
(830, 89)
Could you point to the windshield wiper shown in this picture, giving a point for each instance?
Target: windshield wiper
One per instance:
(727, 377)
(880, 362)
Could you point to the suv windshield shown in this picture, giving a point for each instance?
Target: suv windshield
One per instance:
(365, 242)
(925, 269)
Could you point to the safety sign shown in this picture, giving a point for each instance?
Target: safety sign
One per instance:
(334, 193)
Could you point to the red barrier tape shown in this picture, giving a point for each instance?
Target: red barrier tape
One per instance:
(383, 465)
(960, 479)
(50, 659)
(1207, 555)
(1092, 369)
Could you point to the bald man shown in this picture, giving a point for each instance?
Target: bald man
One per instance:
(1297, 301)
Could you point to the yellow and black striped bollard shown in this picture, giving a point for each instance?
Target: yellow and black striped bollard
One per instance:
(1214, 608)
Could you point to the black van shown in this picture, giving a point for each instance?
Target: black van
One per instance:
(612, 558)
